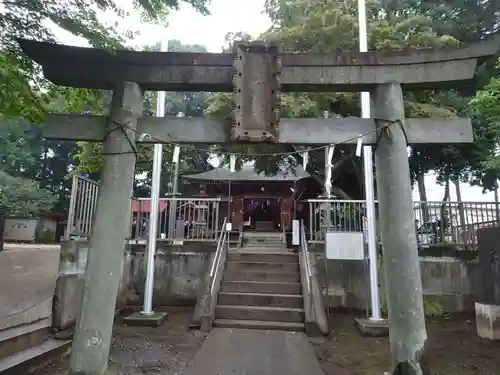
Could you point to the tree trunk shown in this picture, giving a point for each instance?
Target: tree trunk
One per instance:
(444, 216)
(422, 192)
(461, 212)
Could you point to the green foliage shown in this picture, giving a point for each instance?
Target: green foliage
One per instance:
(89, 157)
(25, 96)
(20, 80)
(17, 97)
(431, 309)
(22, 197)
(325, 26)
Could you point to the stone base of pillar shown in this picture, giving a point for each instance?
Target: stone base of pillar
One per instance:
(488, 321)
(372, 328)
(156, 319)
(67, 301)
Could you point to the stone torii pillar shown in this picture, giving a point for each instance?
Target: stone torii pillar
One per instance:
(400, 255)
(92, 338)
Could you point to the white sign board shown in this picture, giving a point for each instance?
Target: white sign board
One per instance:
(229, 227)
(345, 245)
(296, 232)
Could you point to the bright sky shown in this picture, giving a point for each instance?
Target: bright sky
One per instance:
(232, 16)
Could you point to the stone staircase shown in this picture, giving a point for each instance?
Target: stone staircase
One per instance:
(263, 240)
(261, 289)
(27, 347)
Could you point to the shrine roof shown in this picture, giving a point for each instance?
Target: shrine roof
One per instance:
(248, 174)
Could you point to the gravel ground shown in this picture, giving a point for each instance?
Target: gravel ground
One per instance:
(453, 349)
(163, 350)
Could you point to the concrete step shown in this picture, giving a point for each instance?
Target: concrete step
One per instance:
(292, 267)
(261, 287)
(38, 356)
(262, 234)
(261, 299)
(263, 245)
(264, 257)
(264, 248)
(258, 324)
(280, 277)
(273, 314)
(19, 338)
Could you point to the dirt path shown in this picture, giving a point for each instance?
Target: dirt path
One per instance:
(453, 349)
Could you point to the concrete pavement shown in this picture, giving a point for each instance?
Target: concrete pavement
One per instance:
(28, 275)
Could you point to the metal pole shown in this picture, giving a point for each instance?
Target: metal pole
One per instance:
(497, 207)
(368, 180)
(154, 207)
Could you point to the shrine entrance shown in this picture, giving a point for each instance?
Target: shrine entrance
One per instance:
(262, 214)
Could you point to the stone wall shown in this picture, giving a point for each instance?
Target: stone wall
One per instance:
(179, 272)
(449, 281)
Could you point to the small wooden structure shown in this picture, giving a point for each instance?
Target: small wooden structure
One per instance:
(254, 200)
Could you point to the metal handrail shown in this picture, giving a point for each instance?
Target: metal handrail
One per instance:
(221, 245)
(304, 250)
(182, 199)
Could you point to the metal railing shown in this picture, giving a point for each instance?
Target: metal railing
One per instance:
(222, 247)
(435, 222)
(304, 253)
(195, 219)
(82, 205)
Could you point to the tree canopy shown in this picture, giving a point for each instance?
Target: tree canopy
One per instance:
(323, 26)
(299, 25)
(41, 166)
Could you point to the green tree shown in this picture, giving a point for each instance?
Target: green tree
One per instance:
(324, 26)
(192, 159)
(485, 109)
(23, 92)
(23, 197)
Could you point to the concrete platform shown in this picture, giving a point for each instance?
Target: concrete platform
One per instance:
(154, 320)
(372, 328)
(229, 351)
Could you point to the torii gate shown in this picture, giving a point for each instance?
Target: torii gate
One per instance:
(256, 73)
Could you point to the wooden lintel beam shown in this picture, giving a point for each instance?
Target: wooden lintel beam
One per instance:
(291, 131)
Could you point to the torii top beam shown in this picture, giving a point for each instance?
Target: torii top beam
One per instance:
(213, 72)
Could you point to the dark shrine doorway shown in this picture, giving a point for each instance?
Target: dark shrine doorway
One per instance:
(262, 214)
